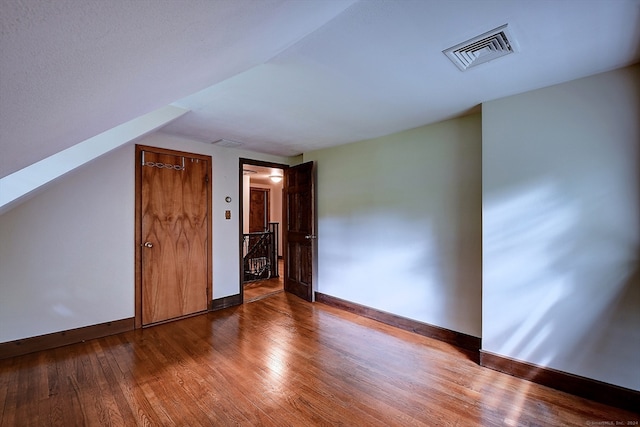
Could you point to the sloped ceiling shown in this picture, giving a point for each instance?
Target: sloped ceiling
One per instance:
(281, 76)
(71, 69)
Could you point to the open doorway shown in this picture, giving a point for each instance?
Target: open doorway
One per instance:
(262, 261)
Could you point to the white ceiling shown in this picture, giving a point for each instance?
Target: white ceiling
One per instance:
(261, 173)
(280, 76)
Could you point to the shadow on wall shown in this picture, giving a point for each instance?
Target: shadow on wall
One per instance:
(393, 269)
(466, 246)
(560, 298)
(399, 224)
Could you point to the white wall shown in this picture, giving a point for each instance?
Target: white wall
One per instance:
(276, 211)
(246, 202)
(67, 254)
(561, 227)
(399, 225)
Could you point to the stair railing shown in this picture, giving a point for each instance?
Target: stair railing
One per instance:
(257, 259)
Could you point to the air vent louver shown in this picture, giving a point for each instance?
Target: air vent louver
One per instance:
(478, 50)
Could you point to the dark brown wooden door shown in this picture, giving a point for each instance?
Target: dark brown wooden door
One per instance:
(258, 210)
(299, 230)
(175, 229)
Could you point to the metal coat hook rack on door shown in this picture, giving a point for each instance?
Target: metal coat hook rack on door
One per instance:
(161, 165)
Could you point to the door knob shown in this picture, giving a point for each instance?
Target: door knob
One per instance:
(148, 245)
(310, 236)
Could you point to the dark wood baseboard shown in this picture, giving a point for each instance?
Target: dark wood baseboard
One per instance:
(62, 338)
(467, 342)
(226, 302)
(588, 388)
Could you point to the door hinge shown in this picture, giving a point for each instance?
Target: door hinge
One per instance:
(206, 178)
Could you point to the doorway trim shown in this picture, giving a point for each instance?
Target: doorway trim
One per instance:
(242, 162)
(138, 226)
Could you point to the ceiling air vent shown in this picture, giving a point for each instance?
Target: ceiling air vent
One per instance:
(483, 48)
(227, 143)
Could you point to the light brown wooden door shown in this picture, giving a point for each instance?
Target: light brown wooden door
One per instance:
(299, 230)
(175, 225)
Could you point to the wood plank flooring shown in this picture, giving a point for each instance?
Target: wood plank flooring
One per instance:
(256, 290)
(278, 361)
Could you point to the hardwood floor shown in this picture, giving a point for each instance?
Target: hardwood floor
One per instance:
(275, 362)
(256, 290)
